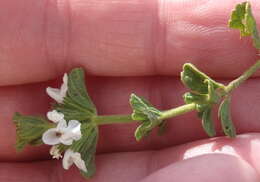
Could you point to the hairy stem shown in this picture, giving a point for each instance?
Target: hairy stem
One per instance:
(235, 83)
(110, 119)
(117, 119)
(178, 111)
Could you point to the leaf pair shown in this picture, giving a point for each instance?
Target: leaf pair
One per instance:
(77, 105)
(205, 93)
(146, 113)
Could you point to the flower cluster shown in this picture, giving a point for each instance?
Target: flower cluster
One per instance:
(65, 132)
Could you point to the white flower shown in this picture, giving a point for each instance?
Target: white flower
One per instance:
(59, 94)
(63, 133)
(55, 116)
(71, 157)
(55, 152)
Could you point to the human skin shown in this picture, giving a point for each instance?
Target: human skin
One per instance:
(128, 46)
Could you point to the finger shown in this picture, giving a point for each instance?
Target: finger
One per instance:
(200, 165)
(222, 168)
(43, 39)
(213, 163)
(206, 168)
(111, 98)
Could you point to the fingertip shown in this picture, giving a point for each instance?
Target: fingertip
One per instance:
(211, 167)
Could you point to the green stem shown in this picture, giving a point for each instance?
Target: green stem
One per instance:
(235, 83)
(177, 111)
(117, 119)
(110, 119)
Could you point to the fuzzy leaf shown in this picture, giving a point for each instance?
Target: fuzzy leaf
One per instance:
(86, 146)
(225, 116)
(143, 130)
(77, 104)
(207, 122)
(243, 19)
(142, 109)
(29, 130)
(195, 79)
(148, 115)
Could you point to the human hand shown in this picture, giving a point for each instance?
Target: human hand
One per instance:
(41, 40)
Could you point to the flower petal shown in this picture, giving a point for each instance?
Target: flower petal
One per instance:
(67, 159)
(73, 124)
(50, 137)
(62, 126)
(64, 86)
(71, 157)
(74, 128)
(70, 132)
(55, 94)
(79, 162)
(55, 116)
(66, 139)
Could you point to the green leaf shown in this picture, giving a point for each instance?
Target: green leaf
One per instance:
(77, 104)
(243, 19)
(225, 116)
(143, 130)
(148, 115)
(86, 146)
(143, 110)
(205, 114)
(29, 130)
(195, 79)
(237, 19)
(207, 122)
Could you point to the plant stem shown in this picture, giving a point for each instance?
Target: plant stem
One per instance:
(235, 83)
(110, 119)
(177, 111)
(117, 119)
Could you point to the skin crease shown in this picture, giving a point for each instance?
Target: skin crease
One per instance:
(40, 40)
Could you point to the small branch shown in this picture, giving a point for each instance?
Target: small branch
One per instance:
(235, 83)
(178, 111)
